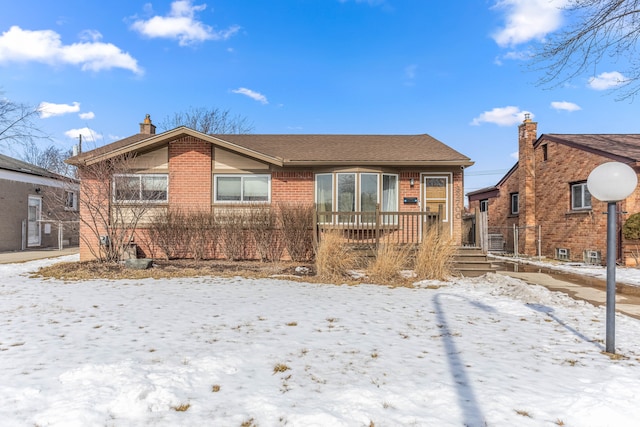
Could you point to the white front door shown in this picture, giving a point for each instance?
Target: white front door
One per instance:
(33, 225)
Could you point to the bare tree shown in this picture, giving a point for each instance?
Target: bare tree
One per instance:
(113, 202)
(51, 158)
(210, 121)
(601, 29)
(17, 123)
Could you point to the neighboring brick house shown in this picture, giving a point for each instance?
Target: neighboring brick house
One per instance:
(336, 172)
(546, 197)
(35, 204)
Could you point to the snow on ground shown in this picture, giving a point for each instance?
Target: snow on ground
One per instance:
(626, 275)
(491, 351)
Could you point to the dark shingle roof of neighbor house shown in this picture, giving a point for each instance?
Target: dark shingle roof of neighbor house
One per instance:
(302, 149)
(9, 163)
(621, 147)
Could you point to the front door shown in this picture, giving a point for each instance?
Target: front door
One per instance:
(436, 200)
(33, 225)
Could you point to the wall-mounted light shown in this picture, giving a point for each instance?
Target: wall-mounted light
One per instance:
(38, 190)
(412, 182)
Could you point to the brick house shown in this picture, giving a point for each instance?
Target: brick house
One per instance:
(36, 205)
(545, 196)
(336, 172)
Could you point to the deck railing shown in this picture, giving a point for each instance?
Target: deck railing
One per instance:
(370, 229)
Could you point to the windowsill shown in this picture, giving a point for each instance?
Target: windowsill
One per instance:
(578, 212)
(513, 215)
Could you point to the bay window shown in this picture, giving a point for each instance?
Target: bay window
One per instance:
(356, 192)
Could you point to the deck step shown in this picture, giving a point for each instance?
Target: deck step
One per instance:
(472, 262)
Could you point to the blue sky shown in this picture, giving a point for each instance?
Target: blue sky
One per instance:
(455, 70)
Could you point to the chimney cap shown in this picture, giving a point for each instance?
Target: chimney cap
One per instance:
(527, 117)
(147, 119)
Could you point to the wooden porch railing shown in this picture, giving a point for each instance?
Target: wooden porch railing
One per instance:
(370, 229)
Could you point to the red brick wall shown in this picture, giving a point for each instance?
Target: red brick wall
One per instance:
(561, 227)
(190, 173)
(292, 187)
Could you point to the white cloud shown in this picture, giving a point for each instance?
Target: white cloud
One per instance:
(564, 105)
(501, 116)
(527, 20)
(48, 109)
(87, 134)
(87, 116)
(251, 94)
(45, 46)
(607, 80)
(181, 24)
(515, 155)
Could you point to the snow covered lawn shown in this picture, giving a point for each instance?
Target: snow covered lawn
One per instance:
(245, 352)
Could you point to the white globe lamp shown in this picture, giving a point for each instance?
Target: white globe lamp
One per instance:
(611, 182)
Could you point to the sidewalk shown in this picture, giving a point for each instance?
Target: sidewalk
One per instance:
(625, 303)
(24, 256)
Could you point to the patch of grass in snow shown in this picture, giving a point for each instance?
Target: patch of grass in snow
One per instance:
(559, 422)
(183, 407)
(523, 413)
(571, 362)
(249, 423)
(292, 324)
(215, 388)
(280, 367)
(615, 356)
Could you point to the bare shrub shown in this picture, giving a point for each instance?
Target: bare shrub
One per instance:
(334, 258)
(203, 233)
(297, 221)
(387, 265)
(168, 230)
(232, 224)
(263, 228)
(434, 257)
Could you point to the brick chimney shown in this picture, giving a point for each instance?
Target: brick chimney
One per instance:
(527, 136)
(146, 127)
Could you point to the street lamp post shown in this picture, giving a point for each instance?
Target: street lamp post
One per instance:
(611, 182)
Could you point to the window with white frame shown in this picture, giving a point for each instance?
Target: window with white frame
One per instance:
(242, 188)
(71, 200)
(356, 192)
(515, 203)
(580, 196)
(141, 188)
(484, 205)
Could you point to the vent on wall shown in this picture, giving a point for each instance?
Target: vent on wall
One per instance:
(562, 254)
(592, 257)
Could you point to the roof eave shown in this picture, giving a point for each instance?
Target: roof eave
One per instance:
(463, 163)
(165, 137)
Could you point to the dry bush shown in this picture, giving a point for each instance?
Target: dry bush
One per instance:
(434, 257)
(202, 234)
(232, 232)
(169, 231)
(334, 258)
(263, 228)
(297, 220)
(390, 260)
